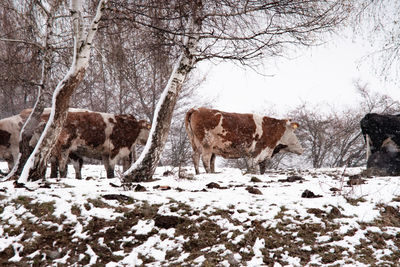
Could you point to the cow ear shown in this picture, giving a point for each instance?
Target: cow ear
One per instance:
(294, 125)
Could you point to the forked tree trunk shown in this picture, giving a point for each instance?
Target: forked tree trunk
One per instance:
(25, 149)
(144, 168)
(35, 167)
(53, 129)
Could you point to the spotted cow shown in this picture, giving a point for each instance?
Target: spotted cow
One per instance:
(9, 138)
(233, 135)
(105, 136)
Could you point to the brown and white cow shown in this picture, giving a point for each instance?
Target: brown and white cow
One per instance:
(233, 135)
(9, 138)
(97, 135)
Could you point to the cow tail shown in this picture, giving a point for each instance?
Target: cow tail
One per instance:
(188, 125)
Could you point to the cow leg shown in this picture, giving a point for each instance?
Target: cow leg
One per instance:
(10, 163)
(368, 141)
(132, 155)
(196, 161)
(108, 166)
(250, 165)
(212, 163)
(206, 158)
(77, 162)
(262, 166)
(126, 163)
(63, 165)
(53, 167)
(63, 170)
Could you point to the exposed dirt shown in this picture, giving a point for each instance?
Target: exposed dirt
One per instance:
(48, 240)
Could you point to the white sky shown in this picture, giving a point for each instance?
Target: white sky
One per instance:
(322, 75)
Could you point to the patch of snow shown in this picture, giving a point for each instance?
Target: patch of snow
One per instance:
(257, 259)
(143, 227)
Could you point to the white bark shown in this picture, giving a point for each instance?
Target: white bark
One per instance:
(60, 102)
(33, 118)
(144, 167)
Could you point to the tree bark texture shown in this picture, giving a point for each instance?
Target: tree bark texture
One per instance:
(36, 165)
(146, 165)
(25, 149)
(38, 170)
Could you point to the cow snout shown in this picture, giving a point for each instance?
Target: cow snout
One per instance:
(298, 149)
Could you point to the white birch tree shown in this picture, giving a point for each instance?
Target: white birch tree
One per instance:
(34, 118)
(36, 164)
(145, 166)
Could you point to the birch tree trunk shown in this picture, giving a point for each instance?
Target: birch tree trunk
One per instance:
(144, 168)
(34, 118)
(35, 167)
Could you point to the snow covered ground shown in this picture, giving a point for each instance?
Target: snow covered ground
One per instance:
(318, 217)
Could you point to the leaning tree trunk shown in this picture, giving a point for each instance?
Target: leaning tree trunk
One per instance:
(35, 167)
(25, 149)
(144, 168)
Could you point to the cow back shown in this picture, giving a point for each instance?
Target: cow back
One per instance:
(233, 135)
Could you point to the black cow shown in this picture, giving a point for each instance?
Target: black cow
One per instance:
(385, 161)
(382, 136)
(376, 128)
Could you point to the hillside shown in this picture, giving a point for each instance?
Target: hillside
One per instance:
(223, 219)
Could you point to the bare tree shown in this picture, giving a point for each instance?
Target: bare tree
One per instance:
(39, 17)
(20, 53)
(376, 102)
(35, 167)
(34, 118)
(378, 23)
(228, 30)
(178, 148)
(332, 138)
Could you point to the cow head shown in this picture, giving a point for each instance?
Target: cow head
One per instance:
(289, 141)
(144, 127)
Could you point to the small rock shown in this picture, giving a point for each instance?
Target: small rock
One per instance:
(115, 185)
(334, 213)
(255, 180)
(253, 190)
(355, 180)
(166, 222)
(309, 194)
(294, 178)
(162, 187)
(118, 197)
(45, 185)
(213, 185)
(168, 173)
(140, 188)
(334, 189)
(18, 185)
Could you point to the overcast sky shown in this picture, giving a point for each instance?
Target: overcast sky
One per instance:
(322, 75)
